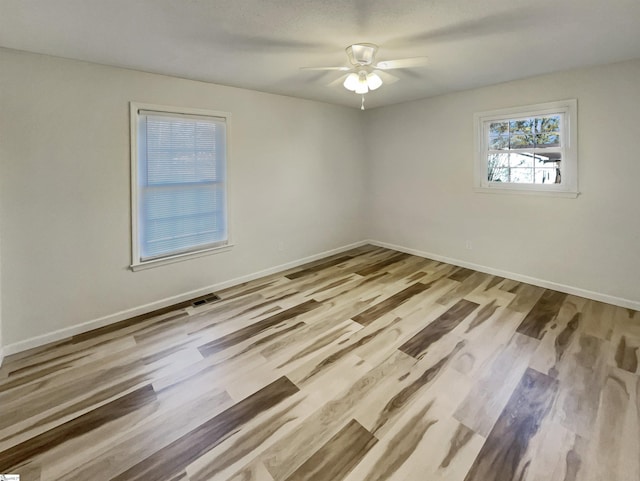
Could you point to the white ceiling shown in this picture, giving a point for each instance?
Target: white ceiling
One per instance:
(260, 44)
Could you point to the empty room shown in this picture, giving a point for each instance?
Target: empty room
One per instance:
(277, 240)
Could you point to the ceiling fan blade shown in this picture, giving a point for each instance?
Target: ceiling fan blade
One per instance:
(342, 69)
(338, 81)
(387, 78)
(402, 63)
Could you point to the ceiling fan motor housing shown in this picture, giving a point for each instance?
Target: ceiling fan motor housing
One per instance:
(362, 53)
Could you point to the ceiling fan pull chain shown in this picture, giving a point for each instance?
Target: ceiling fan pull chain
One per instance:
(362, 105)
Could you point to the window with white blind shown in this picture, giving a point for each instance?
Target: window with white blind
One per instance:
(179, 183)
(531, 149)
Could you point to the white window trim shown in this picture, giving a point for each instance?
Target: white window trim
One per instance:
(569, 132)
(134, 108)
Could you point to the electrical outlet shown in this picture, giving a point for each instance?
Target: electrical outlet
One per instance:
(469, 245)
(281, 246)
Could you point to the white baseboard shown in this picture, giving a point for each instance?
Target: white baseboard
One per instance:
(152, 306)
(136, 311)
(1, 356)
(596, 296)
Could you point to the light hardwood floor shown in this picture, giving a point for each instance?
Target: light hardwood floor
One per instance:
(370, 365)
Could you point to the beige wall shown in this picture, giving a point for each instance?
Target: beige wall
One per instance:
(296, 178)
(421, 197)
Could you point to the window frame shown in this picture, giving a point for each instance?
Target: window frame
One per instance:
(136, 261)
(569, 148)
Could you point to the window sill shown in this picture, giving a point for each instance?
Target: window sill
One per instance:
(507, 190)
(140, 266)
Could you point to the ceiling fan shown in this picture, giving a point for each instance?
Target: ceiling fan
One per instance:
(367, 74)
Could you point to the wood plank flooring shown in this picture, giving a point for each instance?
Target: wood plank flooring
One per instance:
(370, 365)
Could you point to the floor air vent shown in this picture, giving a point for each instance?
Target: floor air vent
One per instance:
(208, 299)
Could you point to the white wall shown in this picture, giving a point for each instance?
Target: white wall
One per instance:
(1, 343)
(295, 168)
(311, 175)
(420, 184)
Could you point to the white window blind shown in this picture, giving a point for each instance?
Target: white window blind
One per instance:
(181, 184)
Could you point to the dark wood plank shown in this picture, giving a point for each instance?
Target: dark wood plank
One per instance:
(460, 274)
(174, 458)
(252, 330)
(117, 326)
(319, 267)
(482, 315)
(378, 310)
(520, 420)
(494, 282)
(542, 314)
(444, 324)
(525, 298)
(380, 266)
(627, 355)
(338, 456)
(58, 413)
(94, 419)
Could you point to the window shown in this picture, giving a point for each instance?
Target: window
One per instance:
(528, 149)
(178, 183)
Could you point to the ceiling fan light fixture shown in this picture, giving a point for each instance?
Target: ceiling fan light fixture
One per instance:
(373, 81)
(351, 82)
(365, 73)
(363, 86)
